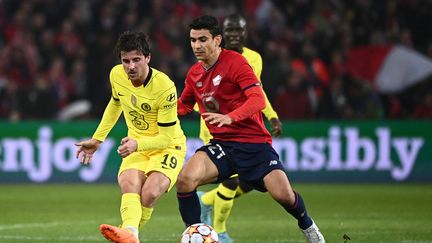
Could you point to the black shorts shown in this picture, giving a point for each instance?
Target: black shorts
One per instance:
(251, 161)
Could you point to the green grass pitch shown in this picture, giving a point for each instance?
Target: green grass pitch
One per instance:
(362, 212)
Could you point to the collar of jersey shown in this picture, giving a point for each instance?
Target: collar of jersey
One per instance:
(147, 80)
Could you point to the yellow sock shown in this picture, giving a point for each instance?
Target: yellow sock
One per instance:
(223, 203)
(239, 192)
(209, 197)
(146, 215)
(130, 210)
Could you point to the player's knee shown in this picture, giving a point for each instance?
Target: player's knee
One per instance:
(284, 196)
(231, 183)
(186, 183)
(130, 186)
(149, 198)
(245, 188)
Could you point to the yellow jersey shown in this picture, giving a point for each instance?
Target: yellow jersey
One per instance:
(150, 110)
(255, 61)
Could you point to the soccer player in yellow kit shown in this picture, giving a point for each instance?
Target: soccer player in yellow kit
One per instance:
(219, 201)
(155, 147)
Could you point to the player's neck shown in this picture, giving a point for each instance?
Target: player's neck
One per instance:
(239, 49)
(207, 64)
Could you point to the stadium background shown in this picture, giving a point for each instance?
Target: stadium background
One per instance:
(362, 155)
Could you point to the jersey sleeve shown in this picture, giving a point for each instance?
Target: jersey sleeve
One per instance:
(109, 119)
(111, 114)
(255, 60)
(167, 112)
(244, 75)
(254, 103)
(251, 87)
(186, 101)
(257, 66)
(268, 111)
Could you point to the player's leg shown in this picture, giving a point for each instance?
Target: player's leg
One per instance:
(199, 170)
(206, 209)
(154, 187)
(277, 184)
(223, 202)
(164, 167)
(243, 188)
(130, 181)
(208, 200)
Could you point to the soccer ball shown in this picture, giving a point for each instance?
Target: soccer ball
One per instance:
(199, 233)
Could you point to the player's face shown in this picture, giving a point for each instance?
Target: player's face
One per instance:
(204, 45)
(135, 65)
(234, 35)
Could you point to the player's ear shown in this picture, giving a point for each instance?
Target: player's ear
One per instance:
(148, 57)
(218, 40)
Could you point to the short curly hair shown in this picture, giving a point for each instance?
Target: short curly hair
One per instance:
(130, 41)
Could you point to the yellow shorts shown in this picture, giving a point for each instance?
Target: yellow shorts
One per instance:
(167, 161)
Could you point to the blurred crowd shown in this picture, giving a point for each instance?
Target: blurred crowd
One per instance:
(55, 54)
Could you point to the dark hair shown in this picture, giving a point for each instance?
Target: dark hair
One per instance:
(207, 22)
(129, 41)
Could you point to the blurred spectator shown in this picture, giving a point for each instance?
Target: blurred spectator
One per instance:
(312, 68)
(66, 40)
(18, 60)
(295, 99)
(57, 78)
(348, 98)
(9, 103)
(78, 77)
(39, 101)
(424, 109)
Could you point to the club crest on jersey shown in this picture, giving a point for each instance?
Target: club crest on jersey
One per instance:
(217, 80)
(133, 100)
(145, 106)
(199, 84)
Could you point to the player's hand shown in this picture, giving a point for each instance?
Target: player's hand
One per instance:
(216, 118)
(86, 150)
(276, 126)
(127, 146)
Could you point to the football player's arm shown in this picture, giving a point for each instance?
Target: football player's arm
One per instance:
(268, 111)
(109, 119)
(186, 102)
(184, 108)
(255, 102)
(160, 141)
(167, 121)
(257, 64)
(251, 87)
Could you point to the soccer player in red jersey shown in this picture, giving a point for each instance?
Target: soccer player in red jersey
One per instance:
(230, 99)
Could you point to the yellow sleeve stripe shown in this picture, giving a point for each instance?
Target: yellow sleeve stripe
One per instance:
(169, 124)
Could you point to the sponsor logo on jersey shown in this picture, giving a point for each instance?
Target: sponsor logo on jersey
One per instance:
(171, 97)
(169, 106)
(217, 80)
(273, 162)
